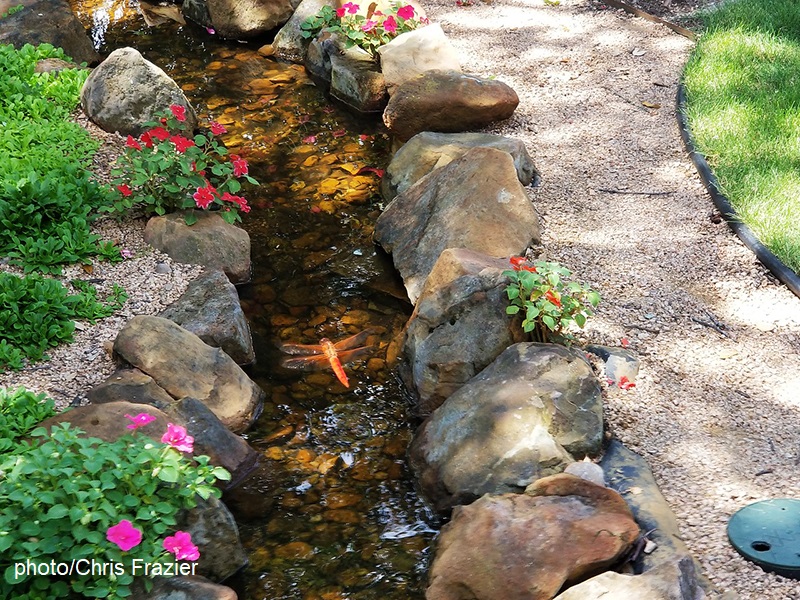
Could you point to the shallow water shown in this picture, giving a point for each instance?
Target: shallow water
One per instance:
(334, 514)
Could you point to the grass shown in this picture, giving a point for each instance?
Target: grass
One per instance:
(743, 105)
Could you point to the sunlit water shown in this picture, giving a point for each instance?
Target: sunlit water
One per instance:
(334, 514)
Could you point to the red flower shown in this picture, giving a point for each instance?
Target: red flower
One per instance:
(125, 189)
(159, 133)
(553, 297)
(239, 165)
(204, 196)
(516, 262)
(340, 11)
(625, 384)
(132, 143)
(181, 143)
(624, 342)
(238, 200)
(339, 133)
(217, 128)
(147, 139)
(406, 12)
(179, 112)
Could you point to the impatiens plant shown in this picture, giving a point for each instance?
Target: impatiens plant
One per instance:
(79, 514)
(168, 169)
(548, 303)
(369, 31)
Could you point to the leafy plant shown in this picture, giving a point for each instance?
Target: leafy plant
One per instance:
(370, 31)
(20, 411)
(70, 500)
(549, 304)
(12, 10)
(166, 169)
(37, 313)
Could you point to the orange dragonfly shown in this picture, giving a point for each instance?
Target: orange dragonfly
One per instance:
(328, 354)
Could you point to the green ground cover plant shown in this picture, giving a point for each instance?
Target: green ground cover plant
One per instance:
(20, 411)
(743, 106)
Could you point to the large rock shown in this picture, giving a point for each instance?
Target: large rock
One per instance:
(184, 588)
(414, 52)
(458, 327)
(289, 44)
(240, 19)
(210, 242)
(182, 364)
(357, 81)
(130, 385)
(107, 421)
(210, 309)
(126, 90)
(449, 101)
(526, 547)
(47, 22)
(428, 151)
(523, 417)
(475, 202)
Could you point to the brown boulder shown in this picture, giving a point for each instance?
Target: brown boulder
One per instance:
(130, 385)
(107, 421)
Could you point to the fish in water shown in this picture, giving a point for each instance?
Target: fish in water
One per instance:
(328, 354)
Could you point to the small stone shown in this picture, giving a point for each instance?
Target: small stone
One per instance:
(163, 268)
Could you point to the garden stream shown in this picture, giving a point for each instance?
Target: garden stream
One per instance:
(337, 517)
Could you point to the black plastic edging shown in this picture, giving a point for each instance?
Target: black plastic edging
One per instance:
(786, 275)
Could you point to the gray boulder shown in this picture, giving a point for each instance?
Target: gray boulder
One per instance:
(184, 366)
(220, 321)
(428, 151)
(475, 202)
(126, 90)
(289, 44)
(210, 242)
(523, 417)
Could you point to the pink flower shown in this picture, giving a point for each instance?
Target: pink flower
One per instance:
(176, 437)
(339, 133)
(124, 535)
(341, 11)
(141, 419)
(125, 189)
(369, 25)
(406, 12)
(217, 128)
(210, 30)
(178, 111)
(203, 197)
(389, 25)
(132, 143)
(311, 139)
(159, 133)
(181, 143)
(239, 165)
(350, 8)
(126, 253)
(181, 546)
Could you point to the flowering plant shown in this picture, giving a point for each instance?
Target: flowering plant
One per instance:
(370, 31)
(73, 502)
(167, 169)
(549, 304)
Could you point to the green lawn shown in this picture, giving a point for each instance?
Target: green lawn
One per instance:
(743, 90)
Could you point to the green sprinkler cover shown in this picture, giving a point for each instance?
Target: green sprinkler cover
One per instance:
(768, 533)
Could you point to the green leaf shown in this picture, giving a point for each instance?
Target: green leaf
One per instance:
(580, 319)
(550, 322)
(512, 310)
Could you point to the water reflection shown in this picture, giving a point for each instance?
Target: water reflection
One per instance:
(333, 513)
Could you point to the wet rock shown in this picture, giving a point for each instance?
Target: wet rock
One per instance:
(475, 202)
(253, 496)
(126, 90)
(289, 44)
(185, 588)
(130, 385)
(519, 419)
(240, 19)
(458, 327)
(448, 101)
(48, 22)
(210, 242)
(357, 81)
(525, 547)
(619, 362)
(210, 309)
(414, 52)
(184, 366)
(428, 151)
(107, 421)
(318, 58)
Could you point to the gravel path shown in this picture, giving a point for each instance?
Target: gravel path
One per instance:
(716, 415)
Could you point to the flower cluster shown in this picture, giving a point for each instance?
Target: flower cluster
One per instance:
(167, 169)
(369, 31)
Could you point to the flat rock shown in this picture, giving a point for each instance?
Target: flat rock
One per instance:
(449, 101)
(210, 242)
(130, 385)
(246, 19)
(475, 202)
(523, 417)
(107, 421)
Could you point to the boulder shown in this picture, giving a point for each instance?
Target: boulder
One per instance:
(318, 58)
(357, 81)
(523, 417)
(428, 151)
(107, 421)
(130, 385)
(214, 532)
(210, 309)
(210, 242)
(289, 44)
(240, 19)
(526, 547)
(458, 327)
(475, 202)
(182, 364)
(47, 22)
(449, 101)
(414, 52)
(126, 90)
(184, 588)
